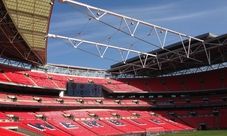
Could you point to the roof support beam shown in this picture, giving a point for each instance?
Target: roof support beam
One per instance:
(78, 42)
(98, 14)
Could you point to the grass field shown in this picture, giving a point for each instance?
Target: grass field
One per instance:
(200, 133)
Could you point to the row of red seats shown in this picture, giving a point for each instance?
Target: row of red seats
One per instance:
(197, 117)
(56, 124)
(37, 100)
(201, 81)
(198, 81)
(19, 99)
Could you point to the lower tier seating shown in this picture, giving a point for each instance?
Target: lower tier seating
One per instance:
(83, 122)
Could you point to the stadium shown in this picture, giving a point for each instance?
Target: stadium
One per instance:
(179, 86)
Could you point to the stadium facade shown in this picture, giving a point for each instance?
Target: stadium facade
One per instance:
(176, 88)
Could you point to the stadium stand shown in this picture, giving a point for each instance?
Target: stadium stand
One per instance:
(41, 79)
(16, 75)
(137, 85)
(36, 100)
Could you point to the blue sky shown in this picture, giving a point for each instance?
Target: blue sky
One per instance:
(192, 17)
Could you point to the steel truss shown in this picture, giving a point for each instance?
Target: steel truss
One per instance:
(146, 60)
(74, 71)
(14, 39)
(76, 42)
(14, 63)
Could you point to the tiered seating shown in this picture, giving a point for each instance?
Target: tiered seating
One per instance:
(78, 114)
(131, 88)
(26, 100)
(16, 75)
(196, 121)
(3, 118)
(144, 102)
(21, 115)
(110, 102)
(90, 102)
(99, 127)
(8, 99)
(181, 112)
(44, 127)
(101, 114)
(181, 126)
(50, 101)
(3, 95)
(60, 80)
(155, 84)
(129, 102)
(64, 124)
(212, 79)
(161, 123)
(103, 82)
(3, 78)
(141, 123)
(122, 113)
(71, 101)
(224, 76)
(137, 84)
(192, 82)
(5, 132)
(222, 121)
(142, 114)
(41, 79)
(79, 79)
(71, 127)
(33, 130)
(173, 83)
(86, 123)
(203, 112)
(120, 85)
(123, 126)
(51, 114)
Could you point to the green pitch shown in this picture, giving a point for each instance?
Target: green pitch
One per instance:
(200, 133)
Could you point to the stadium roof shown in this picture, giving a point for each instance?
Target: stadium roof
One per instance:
(24, 25)
(213, 51)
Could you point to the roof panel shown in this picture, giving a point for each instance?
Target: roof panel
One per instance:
(34, 40)
(31, 18)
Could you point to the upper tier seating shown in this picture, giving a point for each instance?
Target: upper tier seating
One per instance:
(155, 84)
(41, 79)
(60, 80)
(212, 79)
(16, 75)
(120, 85)
(190, 82)
(104, 82)
(137, 85)
(3, 78)
(173, 83)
